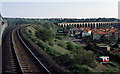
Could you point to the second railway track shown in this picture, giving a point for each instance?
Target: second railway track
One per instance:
(28, 62)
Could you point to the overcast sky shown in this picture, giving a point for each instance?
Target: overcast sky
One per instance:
(60, 8)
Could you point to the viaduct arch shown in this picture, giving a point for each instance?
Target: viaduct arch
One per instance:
(96, 25)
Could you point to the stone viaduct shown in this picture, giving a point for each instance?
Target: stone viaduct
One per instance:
(96, 25)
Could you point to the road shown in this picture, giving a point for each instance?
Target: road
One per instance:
(77, 41)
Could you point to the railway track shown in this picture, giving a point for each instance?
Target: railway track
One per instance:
(28, 62)
(9, 61)
(17, 57)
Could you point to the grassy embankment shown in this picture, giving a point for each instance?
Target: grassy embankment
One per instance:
(65, 53)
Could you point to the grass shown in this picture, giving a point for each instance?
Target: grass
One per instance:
(57, 41)
(112, 44)
(114, 64)
(60, 50)
(101, 44)
(55, 48)
(30, 28)
(71, 42)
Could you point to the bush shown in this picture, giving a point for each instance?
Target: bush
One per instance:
(81, 69)
(65, 60)
(110, 70)
(44, 34)
(85, 68)
(51, 43)
(71, 46)
(61, 45)
(42, 44)
(85, 57)
(68, 35)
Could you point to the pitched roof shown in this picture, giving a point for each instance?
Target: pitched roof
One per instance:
(101, 32)
(85, 31)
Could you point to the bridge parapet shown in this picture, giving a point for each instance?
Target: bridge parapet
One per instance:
(3, 25)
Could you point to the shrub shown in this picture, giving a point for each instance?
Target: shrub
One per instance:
(85, 57)
(61, 45)
(81, 69)
(44, 34)
(71, 46)
(68, 35)
(42, 44)
(51, 43)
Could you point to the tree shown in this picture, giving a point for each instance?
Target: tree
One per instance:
(69, 27)
(47, 25)
(44, 34)
(71, 47)
(85, 58)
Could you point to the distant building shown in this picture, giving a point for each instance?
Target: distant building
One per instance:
(104, 48)
(104, 33)
(119, 9)
(84, 33)
(75, 31)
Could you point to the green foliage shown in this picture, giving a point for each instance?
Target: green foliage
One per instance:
(101, 44)
(112, 43)
(71, 46)
(67, 35)
(39, 27)
(69, 27)
(110, 70)
(65, 60)
(41, 44)
(51, 43)
(47, 25)
(85, 57)
(74, 59)
(115, 56)
(113, 64)
(82, 69)
(44, 34)
(61, 45)
(79, 47)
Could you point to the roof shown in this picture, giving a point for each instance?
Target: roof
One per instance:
(116, 32)
(112, 30)
(94, 32)
(82, 28)
(89, 30)
(76, 28)
(85, 31)
(101, 32)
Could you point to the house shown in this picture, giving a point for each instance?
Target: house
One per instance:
(60, 32)
(107, 33)
(95, 36)
(89, 32)
(84, 33)
(104, 48)
(75, 31)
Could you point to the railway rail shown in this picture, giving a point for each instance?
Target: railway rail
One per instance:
(9, 61)
(28, 62)
(17, 56)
